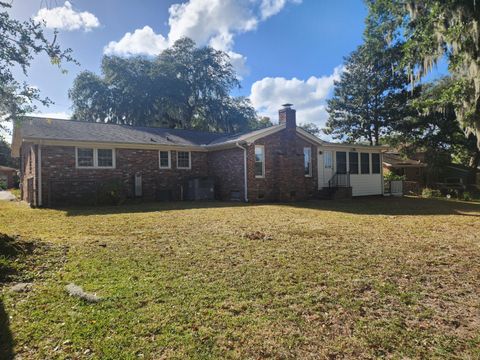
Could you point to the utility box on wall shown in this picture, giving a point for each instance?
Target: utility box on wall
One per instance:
(202, 188)
(138, 185)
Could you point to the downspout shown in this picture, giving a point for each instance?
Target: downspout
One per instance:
(245, 172)
(39, 193)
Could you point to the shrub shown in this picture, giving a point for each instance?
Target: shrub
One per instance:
(466, 196)
(111, 193)
(390, 176)
(431, 193)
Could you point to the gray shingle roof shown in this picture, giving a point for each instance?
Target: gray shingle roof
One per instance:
(396, 160)
(70, 130)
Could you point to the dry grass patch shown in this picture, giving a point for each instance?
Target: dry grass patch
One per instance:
(355, 279)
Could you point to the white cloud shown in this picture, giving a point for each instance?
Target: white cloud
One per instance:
(207, 22)
(308, 96)
(65, 18)
(142, 41)
(272, 7)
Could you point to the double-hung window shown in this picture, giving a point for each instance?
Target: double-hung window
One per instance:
(85, 157)
(365, 163)
(184, 160)
(353, 162)
(259, 161)
(164, 158)
(95, 158)
(104, 158)
(307, 161)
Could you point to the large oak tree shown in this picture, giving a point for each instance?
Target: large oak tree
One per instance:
(433, 30)
(184, 87)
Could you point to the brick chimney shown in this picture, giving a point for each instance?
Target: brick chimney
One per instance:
(287, 116)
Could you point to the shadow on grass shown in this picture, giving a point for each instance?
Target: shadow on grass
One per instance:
(6, 338)
(392, 206)
(364, 205)
(9, 252)
(148, 207)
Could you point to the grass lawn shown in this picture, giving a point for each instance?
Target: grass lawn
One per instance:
(366, 278)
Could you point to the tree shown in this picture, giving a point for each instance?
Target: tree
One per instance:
(261, 123)
(184, 87)
(311, 128)
(127, 93)
(436, 131)
(371, 92)
(5, 153)
(19, 43)
(434, 30)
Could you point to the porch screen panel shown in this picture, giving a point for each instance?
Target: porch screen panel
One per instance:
(365, 163)
(341, 162)
(375, 163)
(353, 162)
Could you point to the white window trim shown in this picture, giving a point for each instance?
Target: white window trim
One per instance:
(169, 159)
(310, 174)
(263, 162)
(189, 161)
(95, 158)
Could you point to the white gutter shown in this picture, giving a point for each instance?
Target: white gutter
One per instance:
(39, 175)
(245, 173)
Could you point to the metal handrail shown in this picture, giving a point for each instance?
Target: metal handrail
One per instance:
(339, 180)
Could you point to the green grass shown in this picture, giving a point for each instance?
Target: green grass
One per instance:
(396, 278)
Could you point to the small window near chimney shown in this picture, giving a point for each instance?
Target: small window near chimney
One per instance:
(261, 196)
(293, 194)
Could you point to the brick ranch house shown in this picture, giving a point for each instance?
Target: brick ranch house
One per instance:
(65, 161)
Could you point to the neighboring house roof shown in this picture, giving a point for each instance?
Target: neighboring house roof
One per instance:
(395, 160)
(6, 168)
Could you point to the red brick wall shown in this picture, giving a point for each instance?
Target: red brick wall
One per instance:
(28, 169)
(284, 173)
(226, 166)
(59, 172)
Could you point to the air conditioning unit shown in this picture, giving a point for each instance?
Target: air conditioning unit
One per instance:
(201, 188)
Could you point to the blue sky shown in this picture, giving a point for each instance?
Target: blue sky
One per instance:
(284, 50)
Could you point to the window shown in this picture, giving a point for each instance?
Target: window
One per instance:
(307, 161)
(341, 162)
(353, 161)
(85, 158)
(183, 160)
(95, 158)
(327, 159)
(365, 163)
(105, 157)
(259, 161)
(375, 163)
(164, 157)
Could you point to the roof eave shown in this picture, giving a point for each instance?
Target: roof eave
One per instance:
(69, 142)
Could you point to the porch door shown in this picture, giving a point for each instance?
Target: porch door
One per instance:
(325, 168)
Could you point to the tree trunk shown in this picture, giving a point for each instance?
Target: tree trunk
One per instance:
(475, 160)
